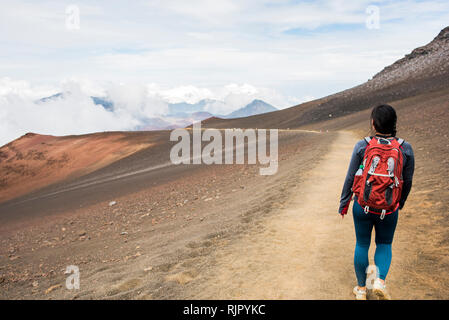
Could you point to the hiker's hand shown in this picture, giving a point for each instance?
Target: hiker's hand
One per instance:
(344, 211)
(342, 216)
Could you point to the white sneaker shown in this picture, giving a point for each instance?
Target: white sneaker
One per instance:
(380, 290)
(359, 294)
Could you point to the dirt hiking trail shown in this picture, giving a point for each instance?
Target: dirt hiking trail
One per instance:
(303, 252)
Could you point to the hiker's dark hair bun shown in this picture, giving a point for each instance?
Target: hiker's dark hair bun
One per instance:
(384, 119)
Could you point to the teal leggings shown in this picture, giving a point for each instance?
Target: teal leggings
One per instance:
(385, 228)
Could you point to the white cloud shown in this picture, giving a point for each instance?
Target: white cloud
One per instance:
(189, 94)
(86, 86)
(73, 114)
(204, 10)
(136, 100)
(23, 89)
(201, 35)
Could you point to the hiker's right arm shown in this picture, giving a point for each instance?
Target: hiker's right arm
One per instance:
(356, 160)
(407, 174)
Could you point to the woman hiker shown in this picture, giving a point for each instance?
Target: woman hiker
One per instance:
(380, 177)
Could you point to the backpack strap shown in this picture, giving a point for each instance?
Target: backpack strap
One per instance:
(368, 142)
(400, 141)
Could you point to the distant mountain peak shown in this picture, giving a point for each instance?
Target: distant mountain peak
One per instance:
(255, 107)
(258, 101)
(102, 101)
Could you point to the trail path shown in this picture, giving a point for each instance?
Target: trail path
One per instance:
(303, 252)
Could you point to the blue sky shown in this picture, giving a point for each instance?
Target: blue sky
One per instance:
(282, 51)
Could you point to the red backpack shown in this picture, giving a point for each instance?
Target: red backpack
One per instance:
(378, 182)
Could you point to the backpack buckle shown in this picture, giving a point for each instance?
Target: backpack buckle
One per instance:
(383, 141)
(382, 216)
(366, 210)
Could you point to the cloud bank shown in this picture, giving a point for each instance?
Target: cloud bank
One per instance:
(74, 112)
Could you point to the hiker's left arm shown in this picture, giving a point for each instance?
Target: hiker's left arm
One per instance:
(354, 165)
(407, 174)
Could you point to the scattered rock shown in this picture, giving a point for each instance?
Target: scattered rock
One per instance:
(148, 269)
(56, 286)
(112, 203)
(82, 233)
(124, 233)
(35, 284)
